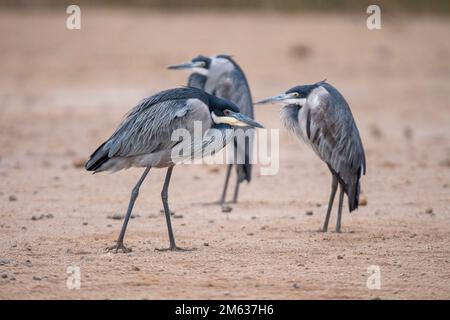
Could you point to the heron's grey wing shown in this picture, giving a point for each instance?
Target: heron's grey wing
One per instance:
(233, 86)
(149, 128)
(332, 133)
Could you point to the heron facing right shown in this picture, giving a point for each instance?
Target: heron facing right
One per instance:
(319, 115)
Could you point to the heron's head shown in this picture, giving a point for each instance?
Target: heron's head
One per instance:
(295, 96)
(199, 64)
(226, 112)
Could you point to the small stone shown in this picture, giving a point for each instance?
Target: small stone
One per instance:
(214, 169)
(250, 234)
(12, 198)
(85, 223)
(362, 201)
(429, 211)
(4, 276)
(253, 218)
(340, 257)
(134, 268)
(309, 213)
(5, 261)
(227, 209)
(206, 244)
(177, 216)
(296, 286)
(408, 133)
(171, 212)
(49, 216)
(79, 163)
(37, 278)
(116, 216)
(109, 225)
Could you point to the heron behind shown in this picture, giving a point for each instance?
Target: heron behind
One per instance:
(221, 76)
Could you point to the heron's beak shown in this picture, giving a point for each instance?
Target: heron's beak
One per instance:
(187, 65)
(287, 98)
(236, 120)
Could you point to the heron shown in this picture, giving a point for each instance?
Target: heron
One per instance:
(320, 116)
(144, 139)
(221, 76)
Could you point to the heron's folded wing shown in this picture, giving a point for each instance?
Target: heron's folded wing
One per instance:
(333, 134)
(148, 128)
(234, 87)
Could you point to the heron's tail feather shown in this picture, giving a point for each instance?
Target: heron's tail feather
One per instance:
(244, 172)
(97, 159)
(353, 196)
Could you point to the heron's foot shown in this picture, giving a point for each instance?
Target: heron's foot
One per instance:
(119, 247)
(175, 248)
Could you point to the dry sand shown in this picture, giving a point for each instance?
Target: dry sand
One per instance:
(63, 92)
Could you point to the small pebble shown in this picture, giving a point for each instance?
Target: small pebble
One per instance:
(227, 209)
(85, 223)
(37, 278)
(134, 268)
(362, 201)
(4, 276)
(116, 216)
(429, 211)
(309, 213)
(340, 257)
(206, 244)
(177, 216)
(79, 163)
(4, 261)
(12, 198)
(296, 286)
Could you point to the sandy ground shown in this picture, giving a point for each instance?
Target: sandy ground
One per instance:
(63, 92)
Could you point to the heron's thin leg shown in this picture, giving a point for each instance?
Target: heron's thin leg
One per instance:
(334, 185)
(225, 186)
(236, 190)
(338, 221)
(165, 197)
(134, 194)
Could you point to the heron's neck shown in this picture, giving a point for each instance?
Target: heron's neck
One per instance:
(197, 80)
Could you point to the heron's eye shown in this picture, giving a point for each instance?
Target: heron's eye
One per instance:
(296, 94)
(226, 112)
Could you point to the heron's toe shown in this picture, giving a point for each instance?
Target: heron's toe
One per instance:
(118, 247)
(175, 248)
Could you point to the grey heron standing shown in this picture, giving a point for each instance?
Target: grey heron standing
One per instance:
(320, 116)
(221, 76)
(144, 138)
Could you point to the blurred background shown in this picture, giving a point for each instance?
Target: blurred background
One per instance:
(62, 92)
